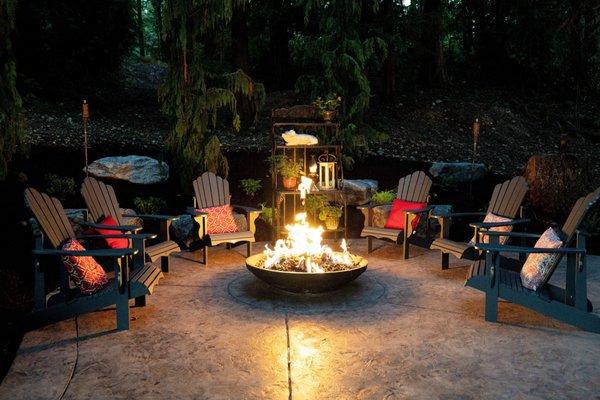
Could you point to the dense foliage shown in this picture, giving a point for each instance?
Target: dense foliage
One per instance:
(11, 119)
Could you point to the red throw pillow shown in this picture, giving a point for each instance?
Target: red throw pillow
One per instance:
(220, 219)
(113, 243)
(395, 219)
(85, 272)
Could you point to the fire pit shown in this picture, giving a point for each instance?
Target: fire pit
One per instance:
(301, 264)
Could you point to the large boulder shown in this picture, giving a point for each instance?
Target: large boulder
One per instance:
(457, 171)
(135, 169)
(359, 191)
(555, 182)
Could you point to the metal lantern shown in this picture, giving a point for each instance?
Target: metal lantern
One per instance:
(327, 171)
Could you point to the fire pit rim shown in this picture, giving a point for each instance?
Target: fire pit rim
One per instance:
(362, 264)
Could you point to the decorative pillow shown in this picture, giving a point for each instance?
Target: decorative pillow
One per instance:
(85, 272)
(113, 243)
(491, 217)
(538, 266)
(395, 219)
(220, 219)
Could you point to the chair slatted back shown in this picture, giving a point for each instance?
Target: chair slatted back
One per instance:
(50, 215)
(508, 196)
(580, 210)
(101, 200)
(211, 190)
(414, 187)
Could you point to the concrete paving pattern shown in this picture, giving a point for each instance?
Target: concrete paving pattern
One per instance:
(404, 329)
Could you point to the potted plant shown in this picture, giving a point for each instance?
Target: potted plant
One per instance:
(331, 215)
(289, 170)
(328, 106)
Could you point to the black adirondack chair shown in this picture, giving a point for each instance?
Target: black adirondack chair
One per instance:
(414, 187)
(211, 190)
(101, 202)
(499, 276)
(507, 199)
(124, 284)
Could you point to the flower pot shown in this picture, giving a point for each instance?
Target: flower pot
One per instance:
(328, 115)
(290, 183)
(332, 223)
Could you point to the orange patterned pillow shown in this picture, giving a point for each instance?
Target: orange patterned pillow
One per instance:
(85, 272)
(220, 219)
(538, 266)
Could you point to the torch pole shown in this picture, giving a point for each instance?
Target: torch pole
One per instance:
(85, 114)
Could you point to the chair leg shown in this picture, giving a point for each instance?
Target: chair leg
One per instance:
(205, 255)
(140, 301)
(165, 263)
(123, 312)
(445, 260)
(491, 306)
(248, 249)
(369, 244)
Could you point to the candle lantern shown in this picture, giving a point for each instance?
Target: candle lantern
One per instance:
(327, 171)
(312, 168)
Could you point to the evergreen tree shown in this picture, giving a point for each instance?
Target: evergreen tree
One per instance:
(11, 117)
(192, 95)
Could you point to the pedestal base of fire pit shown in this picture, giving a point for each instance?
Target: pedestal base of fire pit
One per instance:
(304, 282)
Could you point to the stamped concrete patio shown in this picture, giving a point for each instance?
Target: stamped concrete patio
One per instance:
(404, 329)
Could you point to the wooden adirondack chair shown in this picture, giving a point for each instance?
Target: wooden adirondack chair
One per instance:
(124, 285)
(499, 277)
(211, 191)
(101, 202)
(506, 201)
(414, 187)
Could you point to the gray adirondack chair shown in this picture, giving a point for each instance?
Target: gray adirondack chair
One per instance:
(499, 277)
(211, 190)
(414, 187)
(101, 201)
(506, 201)
(124, 284)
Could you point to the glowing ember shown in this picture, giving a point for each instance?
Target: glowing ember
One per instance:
(302, 251)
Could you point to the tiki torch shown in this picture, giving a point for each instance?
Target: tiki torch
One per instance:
(85, 114)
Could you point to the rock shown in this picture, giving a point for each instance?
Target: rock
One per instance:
(457, 171)
(555, 182)
(130, 217)
(359, 191)
(184, 230)
(134, 169)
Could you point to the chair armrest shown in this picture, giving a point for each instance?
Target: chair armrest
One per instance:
(91, 253)
(123, 236)
(496, 224)
(511, 234)
(193, 212)
(494, 248)
(155, 217)
(420, 210)
(123, 228)
(460, 214)
(247, 209)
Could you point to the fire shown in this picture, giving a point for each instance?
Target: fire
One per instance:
(303, 245)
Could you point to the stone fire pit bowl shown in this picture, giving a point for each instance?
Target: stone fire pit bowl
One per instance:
(304, 282)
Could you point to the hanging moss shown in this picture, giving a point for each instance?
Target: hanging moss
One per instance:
(12, 126)
(192, 96)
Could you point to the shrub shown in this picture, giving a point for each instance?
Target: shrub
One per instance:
(149, 205)
(314, 203)
(250, 186)
(59, 186)
(268, 214)
(330, 211)
(383, 197)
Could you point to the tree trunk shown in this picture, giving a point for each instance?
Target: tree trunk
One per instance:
(239, 40)
(279, 38)
(433, 64)
(389, 63)
(140, 27)
(157, 4)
